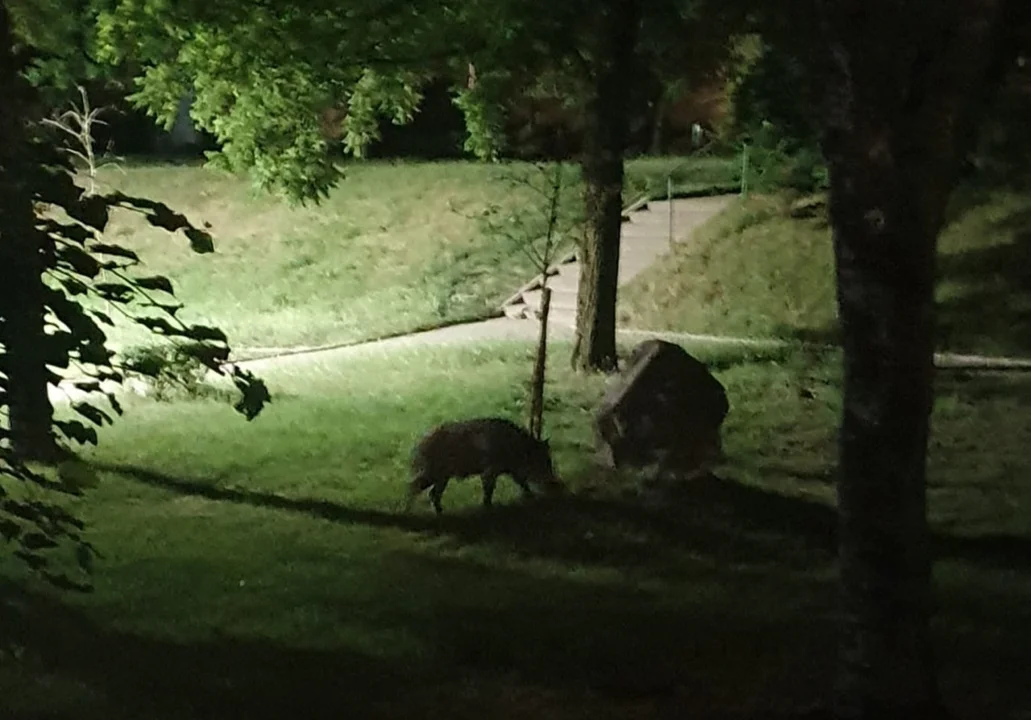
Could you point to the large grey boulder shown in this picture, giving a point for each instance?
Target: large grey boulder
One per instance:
(665, 411)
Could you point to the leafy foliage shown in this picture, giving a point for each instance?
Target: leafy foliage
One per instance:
(776, 88)
(64, 225)
(263, 81)
(549, 223)
(262, 78)
(61, 34)
(172, 370)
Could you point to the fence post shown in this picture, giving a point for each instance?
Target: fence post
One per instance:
(744, 171)
(669, 202)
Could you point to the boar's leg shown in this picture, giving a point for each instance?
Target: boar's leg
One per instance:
(436, 492)
(490, 481)
(524, 486)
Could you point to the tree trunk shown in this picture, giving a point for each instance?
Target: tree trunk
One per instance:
(605, 138)
(899, 96)
(30, 412)
(22, 300)
(885, 272)
(540, 366)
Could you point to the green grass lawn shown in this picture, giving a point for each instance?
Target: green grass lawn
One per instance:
(756, 271)
(261, 570)
(397, 246)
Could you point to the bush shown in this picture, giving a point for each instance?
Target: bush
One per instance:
(171, 372)
(776, 162)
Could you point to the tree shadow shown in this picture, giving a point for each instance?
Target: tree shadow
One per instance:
(968, 196)
(977, 386)
(615, 644)
(143, 677)
(991, 310)
(720, 518)
(823, 337)
(568, 642)
(723, 519)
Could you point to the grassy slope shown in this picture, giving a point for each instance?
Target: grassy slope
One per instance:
(393, 248)
(384, 253)
(756, 271)
(261, 569)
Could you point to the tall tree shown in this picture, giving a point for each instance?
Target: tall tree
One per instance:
(606, 116)
(903, 77)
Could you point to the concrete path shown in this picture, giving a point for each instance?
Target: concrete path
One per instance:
(645, 239)
(515, 330)
(646, 236)
(506, 329)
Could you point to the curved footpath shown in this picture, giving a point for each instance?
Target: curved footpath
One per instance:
(646, 237)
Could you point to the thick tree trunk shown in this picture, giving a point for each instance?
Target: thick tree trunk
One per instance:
(30, 412)
(900, 95)
(605, 138)
(885, 272)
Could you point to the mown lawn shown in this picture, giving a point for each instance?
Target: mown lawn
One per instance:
(262, 570)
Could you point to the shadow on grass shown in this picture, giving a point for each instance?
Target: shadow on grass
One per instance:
(991, 308)
(717, 519)
(136, 677)
(577, 651)
(977, 386)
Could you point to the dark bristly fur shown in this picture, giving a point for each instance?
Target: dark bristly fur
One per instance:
(488, 447)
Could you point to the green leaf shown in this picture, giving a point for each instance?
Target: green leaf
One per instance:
(78, 321)
(156, 282)
(114, 250)
(30, 558)
(67, 231)
(211, 356)
(157, 325)
(102, 317)
(206, 333)
(79, 261)
(39, 179)
(115, 292)
(200, 241)
(74, 286)
(167, 307)
(77, 475)
(37, 541)
(255, 394)
(77, 431)
(84, 554)
(9, 529)
(92, 413)
(115, 404)
(86, 386)
(93, 210)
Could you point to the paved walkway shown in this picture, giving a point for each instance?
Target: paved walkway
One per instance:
(645, 239)
(508, 329)
(648, 233)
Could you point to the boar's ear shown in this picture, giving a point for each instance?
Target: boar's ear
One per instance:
(546, 443)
